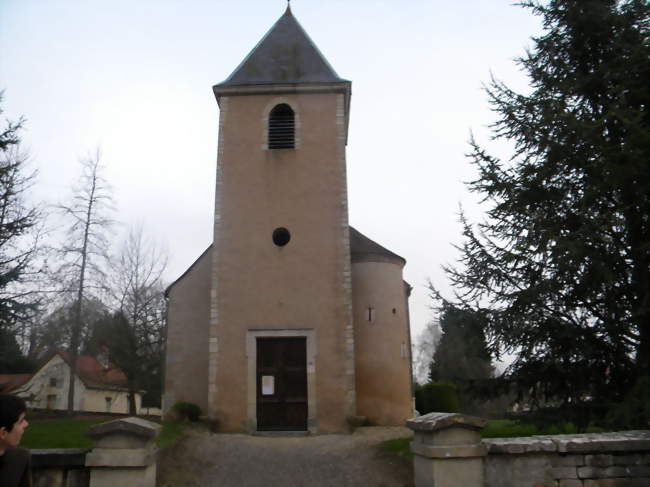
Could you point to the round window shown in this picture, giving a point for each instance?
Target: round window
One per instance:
(281, 236)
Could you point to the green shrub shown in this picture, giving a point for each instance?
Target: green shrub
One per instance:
(508, 428)
(439, 397)
(400, 447)
(171, 431)
(634, 411)
(186, 411)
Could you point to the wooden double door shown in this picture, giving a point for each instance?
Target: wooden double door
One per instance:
(282, 384)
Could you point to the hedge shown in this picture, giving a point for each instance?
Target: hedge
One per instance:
(439, 397)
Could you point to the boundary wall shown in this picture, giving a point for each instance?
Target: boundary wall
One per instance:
(448, 452)
(123, 454)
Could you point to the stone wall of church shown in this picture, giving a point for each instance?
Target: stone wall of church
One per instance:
(382, 350)
(186, 368)
(303, 285)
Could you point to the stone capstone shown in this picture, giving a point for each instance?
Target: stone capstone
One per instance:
(592, 443)
(440, 421)
(123, 433)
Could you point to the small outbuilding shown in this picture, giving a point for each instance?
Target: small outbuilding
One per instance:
(100, 386)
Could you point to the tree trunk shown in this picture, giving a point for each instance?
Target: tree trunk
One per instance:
(132, 405)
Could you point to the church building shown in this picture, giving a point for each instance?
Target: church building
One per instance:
(291, 320)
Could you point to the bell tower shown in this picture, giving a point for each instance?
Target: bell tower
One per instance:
(280, 270)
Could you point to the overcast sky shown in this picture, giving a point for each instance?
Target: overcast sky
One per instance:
(134, 77)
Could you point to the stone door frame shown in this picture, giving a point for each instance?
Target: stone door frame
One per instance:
(251, 354)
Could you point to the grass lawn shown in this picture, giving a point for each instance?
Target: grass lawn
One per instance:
(171, 432)
(400, 447)
(58, 433)
(496, 428)
(69, 433)
(506, 428)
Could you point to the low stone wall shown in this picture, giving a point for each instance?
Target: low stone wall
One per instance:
(448, 452)
(589, 460)
(64, 467)
(123, 455)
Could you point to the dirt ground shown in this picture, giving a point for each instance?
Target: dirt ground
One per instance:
(223, 460)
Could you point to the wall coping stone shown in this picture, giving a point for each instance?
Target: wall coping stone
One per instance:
(137, 427)
(58, 457)
(439, 421)
(623, 441)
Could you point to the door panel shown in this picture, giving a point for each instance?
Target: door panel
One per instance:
(282, 396)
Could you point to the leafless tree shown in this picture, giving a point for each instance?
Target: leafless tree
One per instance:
(85, 250)
(424, 347)
(137, 289)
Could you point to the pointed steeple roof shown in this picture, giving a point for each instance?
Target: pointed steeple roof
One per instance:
(285, 55)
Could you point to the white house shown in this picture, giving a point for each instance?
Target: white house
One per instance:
(99, 385)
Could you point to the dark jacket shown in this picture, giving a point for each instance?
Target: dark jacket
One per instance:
(15, 468)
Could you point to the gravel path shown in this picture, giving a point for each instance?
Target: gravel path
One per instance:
(224, 460)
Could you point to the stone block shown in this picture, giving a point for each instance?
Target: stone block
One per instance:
(440, 421)
(568, 461)
(629, 459)
(447, 450)
(77, 478)
(124, 433)
(504, 445)
(115, 477)
(640, 482)
(564, 472)
(453, 451)
(639, 471)
(570, 483)
(620, 482)
(448, 437)
(599, 460)
(616, 471)
(48, 477)
(632, 441)
(540, 444)
(534, 444)
(110, 457)
(447, 473)
(601, 472)
(518, 470)
(58, 457)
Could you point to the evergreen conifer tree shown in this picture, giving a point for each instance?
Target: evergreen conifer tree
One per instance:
(561, 265)
(461, 354)
(18, 242)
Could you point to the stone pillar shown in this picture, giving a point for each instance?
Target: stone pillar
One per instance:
(123, 454)
(447, 450)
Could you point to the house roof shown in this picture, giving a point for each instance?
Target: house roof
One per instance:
(10, 382)
(94, 375)
(363, 249)
(285, 55)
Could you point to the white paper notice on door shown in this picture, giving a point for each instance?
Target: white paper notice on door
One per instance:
(268, 385)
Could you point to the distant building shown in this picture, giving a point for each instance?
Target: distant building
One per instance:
(291, 319)
(99, 387)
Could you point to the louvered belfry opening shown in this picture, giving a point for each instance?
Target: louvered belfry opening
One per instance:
(282, 127)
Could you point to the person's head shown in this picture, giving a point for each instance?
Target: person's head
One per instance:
(12, 420)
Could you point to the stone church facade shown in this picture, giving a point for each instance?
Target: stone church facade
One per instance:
(291, 319)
